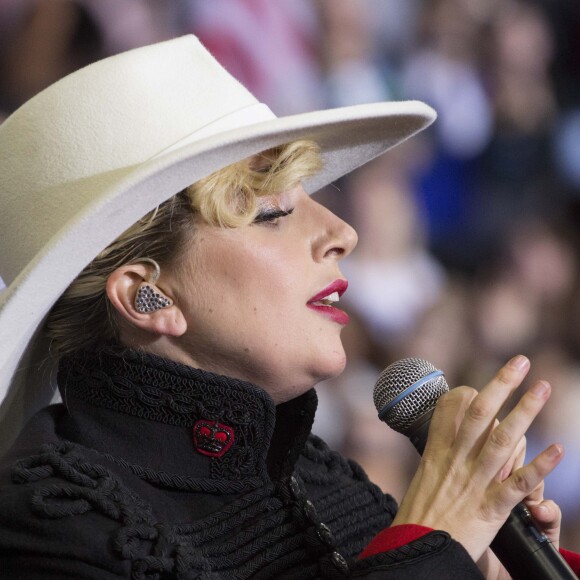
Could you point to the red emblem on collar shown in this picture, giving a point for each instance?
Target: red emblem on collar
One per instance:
(212, 438)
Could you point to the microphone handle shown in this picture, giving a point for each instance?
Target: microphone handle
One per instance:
(519, 538)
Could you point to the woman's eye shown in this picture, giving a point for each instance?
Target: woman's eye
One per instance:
(271, 216)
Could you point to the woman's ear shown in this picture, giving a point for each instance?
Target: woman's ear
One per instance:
(133, 292)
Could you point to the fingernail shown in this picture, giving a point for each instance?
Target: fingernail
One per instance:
(541, 389)
(519, 362)
(554, 451)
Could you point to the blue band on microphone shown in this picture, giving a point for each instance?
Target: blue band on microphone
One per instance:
(408, 391)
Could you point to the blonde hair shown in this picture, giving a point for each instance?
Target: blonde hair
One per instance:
(83, 317)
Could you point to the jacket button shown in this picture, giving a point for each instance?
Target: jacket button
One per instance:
(295, 488)
(325, 534)
(339, 562)
(310, 510)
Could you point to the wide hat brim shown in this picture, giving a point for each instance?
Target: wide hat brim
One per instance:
(348, 137)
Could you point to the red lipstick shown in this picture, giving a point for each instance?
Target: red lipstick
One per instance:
(317, 302)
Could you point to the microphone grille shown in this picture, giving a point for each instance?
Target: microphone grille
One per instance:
(398, 377)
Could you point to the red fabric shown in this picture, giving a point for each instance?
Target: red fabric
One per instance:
(573, 560)
(391, 538)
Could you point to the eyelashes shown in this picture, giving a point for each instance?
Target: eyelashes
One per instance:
(271, 215)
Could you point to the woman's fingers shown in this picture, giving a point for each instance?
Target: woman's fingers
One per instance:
(480, 416)
(463, 418)
(516, 460)
(537, 496)
(472, 472)
(548, 516)
(522, 482)
(447, 418)
(504, 438)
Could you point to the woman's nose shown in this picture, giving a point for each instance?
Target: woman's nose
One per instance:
(336, 238)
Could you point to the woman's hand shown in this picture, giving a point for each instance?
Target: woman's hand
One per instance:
(548, 519)
(547, 514)
(462, 484)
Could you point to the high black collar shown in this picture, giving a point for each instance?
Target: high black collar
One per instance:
(176, 419)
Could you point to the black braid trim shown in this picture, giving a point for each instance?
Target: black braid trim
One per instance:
(421, 548)
(240, 537)
(79, 487)
(166, 480)
(161, 390)
(353, 502)
(357, 479)
(318, 451)
(364, 520)
(155, 389)
(249, 505)
(267, 533)
(358, 520)
(256, 533)
(271, 543)
(269, 539)
(354, 508)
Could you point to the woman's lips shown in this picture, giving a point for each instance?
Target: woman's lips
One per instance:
(322, 301)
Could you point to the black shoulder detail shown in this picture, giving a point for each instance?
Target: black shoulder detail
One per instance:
(261, 532)
(157, 390)
(354, 508)
(153, 388)
(77, 486)
(424, 546)
(333, 463)
(435, 554)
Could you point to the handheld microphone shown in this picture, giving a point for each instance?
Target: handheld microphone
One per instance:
(405, 396)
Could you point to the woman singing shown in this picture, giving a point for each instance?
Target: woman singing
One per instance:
(170, 276)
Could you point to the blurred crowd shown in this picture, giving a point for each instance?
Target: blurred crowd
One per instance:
(469, 237)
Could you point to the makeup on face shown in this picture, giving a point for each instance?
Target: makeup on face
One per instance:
(324, 301)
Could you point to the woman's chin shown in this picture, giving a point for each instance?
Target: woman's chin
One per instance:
(332, 367)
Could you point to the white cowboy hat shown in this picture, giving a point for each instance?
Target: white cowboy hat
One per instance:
(90, 155)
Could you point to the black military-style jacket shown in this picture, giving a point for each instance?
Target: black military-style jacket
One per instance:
(154, 470)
